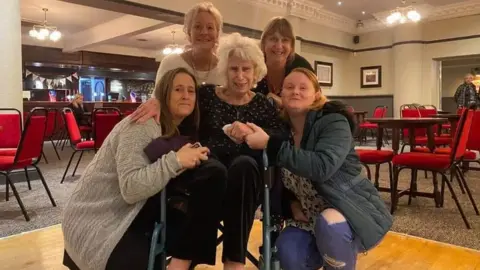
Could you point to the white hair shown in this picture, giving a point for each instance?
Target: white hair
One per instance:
(193, 12)
(246, 49)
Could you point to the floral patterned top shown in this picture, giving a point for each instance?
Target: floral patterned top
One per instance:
(312, 203)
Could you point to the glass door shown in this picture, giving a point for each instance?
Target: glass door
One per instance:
(92, 88)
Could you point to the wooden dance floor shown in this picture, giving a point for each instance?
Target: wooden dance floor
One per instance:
(43, 249)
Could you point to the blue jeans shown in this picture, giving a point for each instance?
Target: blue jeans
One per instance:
(333, 246)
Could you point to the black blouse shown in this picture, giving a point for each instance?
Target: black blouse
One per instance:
(298, 61)
(216, 113)
(79, 113)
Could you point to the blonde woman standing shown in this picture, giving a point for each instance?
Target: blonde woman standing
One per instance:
(202, 26)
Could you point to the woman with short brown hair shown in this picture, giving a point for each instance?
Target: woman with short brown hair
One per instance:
(278, 46)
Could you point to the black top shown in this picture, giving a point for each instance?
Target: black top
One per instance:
(216, 113)
(79, 112)
(298, 61)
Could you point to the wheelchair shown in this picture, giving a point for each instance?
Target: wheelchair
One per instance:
(267, 260)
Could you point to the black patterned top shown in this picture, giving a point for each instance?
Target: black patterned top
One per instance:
(216, 113)
(302, 190)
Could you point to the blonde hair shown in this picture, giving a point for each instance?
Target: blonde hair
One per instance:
(320, 101)
(284, 28)
(193, 12)
(246, 49)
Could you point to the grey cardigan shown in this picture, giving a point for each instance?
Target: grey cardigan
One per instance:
(112, 190)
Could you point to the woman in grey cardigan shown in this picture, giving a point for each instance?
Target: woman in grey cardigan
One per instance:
(111, 213)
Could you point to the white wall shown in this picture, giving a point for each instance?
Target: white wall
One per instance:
(458, 27)
(339, 59)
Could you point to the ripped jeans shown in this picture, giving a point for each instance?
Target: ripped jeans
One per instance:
(333, 246)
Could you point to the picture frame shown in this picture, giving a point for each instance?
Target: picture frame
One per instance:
(371, 77)
(324, 72)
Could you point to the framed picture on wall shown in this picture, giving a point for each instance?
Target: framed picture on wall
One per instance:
(371, 77)
(324, 73)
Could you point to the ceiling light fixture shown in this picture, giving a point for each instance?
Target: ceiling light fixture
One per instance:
(403, 14)
(173, 48)
(339, 3)
(41, 32)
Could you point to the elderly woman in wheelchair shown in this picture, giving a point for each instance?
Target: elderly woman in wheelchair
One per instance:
(110, 216)
(335, 212)
(224, 111)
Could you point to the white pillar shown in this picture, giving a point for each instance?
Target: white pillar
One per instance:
(407, 59)
(11, 85)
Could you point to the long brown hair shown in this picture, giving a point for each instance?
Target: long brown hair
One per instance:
(320, 101)
(163, 92)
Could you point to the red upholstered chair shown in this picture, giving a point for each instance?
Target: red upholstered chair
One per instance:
(28, 154)
(104, 120)
(376, 157)
(75, 140)
(11, 130)
(473, 143)
(379, 112)
(421, 133)
(437, 164)
(52, 129)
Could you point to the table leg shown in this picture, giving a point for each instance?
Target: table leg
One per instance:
(379, 137)
(453, 127)
(431, 139)
(395, 140)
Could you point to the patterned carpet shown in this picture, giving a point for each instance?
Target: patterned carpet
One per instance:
(421, 218)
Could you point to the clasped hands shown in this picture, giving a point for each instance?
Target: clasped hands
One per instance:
(191, 155)
(254, 136)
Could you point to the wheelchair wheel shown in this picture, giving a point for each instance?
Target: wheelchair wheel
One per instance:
(275, 265)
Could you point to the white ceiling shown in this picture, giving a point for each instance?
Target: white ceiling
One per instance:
(157, 39)
(70, 18)
(353, 8)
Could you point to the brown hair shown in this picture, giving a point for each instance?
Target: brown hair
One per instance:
(318, 103)
(163, 91)
(284, 28)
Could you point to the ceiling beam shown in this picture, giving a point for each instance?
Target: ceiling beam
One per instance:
(125, 26)
(152, 12)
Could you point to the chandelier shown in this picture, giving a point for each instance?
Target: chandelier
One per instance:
(44, 31)
(173, 48)
(404, 14)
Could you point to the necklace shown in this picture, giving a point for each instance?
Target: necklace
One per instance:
(195, 73)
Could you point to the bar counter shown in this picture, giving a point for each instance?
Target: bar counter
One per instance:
(89, 105)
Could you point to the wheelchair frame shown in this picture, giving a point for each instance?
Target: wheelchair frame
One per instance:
(266, 260)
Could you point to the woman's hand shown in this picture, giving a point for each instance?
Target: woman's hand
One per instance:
(297, 212)
(190, 157)
(258, 139)
(237, 131)
(276, 99)
(147, 110)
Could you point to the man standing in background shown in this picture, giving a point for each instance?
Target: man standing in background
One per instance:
(466, 94)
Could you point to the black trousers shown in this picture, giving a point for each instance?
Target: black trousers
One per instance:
(242, 198)
(193, 214)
